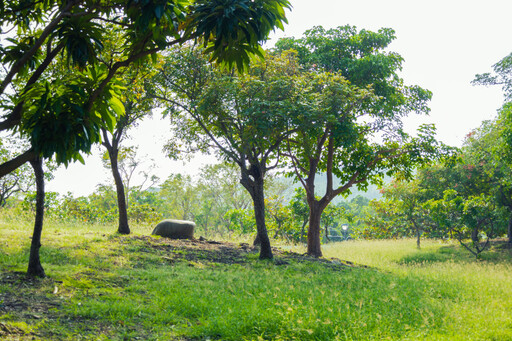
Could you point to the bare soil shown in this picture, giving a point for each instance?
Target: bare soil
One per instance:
(25, 300)
(228, 253)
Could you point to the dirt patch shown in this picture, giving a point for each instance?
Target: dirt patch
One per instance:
(202, 250)
(24, 300)
(34, 304)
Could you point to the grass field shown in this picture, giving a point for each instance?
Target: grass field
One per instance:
(103, 286)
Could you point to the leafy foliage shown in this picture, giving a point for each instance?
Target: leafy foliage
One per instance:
(62, 114)
(79, 102)
(502, 76)
(245, 117)
(238, 34)
(56, 116)
(352, 124)
(466, 198)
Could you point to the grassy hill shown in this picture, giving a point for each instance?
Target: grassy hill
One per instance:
(104, 286)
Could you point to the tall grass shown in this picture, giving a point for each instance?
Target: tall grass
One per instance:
(480, 290)
(113, 287)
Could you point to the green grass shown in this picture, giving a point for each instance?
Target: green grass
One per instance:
(104, 286)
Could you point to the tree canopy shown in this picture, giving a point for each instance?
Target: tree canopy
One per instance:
(352, 128)
(245, 117)
(62, 111)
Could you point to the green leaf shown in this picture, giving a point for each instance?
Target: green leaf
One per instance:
(117, 106)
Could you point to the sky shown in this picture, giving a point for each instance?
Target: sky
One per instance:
(444, 43)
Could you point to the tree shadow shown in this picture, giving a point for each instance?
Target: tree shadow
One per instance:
(497, 253)
(441, 255)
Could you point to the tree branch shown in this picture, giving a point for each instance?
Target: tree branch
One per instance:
(125, 63)
(11, 165)
(14, 117)
(16, 67)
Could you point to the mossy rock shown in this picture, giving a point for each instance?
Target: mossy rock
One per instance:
(175, 229)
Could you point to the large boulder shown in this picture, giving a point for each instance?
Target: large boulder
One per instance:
(175, 229)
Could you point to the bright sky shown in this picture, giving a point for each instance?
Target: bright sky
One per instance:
(444, 44)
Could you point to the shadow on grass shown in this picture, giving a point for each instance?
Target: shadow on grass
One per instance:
(498, 253)
(441, 255)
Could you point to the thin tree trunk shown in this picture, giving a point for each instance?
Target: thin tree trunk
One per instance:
(35, 268)
(474, 235)
(113, 153)
(123, 227)
(509, 230)
(302, 230)
(327, 233)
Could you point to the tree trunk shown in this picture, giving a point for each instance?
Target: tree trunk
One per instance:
(509, 230)
(327, 233)
(255, 188)
(302, 230)
(278, 230)
(315, 213)
(257, 241)
(259, 214)
(474, 235)
(123, 227)
(35, 268)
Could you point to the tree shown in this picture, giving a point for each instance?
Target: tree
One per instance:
(502, 132)
(240, 220)
(403, 206)
(137, 105)
(487, 157)
(330, 219)
(34, 101)
(279, 215)
(470, 218)
(245, 117)
(465, 197)
(79, 104)
(63, 114)
(277, 209)
(179, 195)
(477, 171)
(230, 30)
(482, 170)
(123, 162)
(353, 128)
(502, 76)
